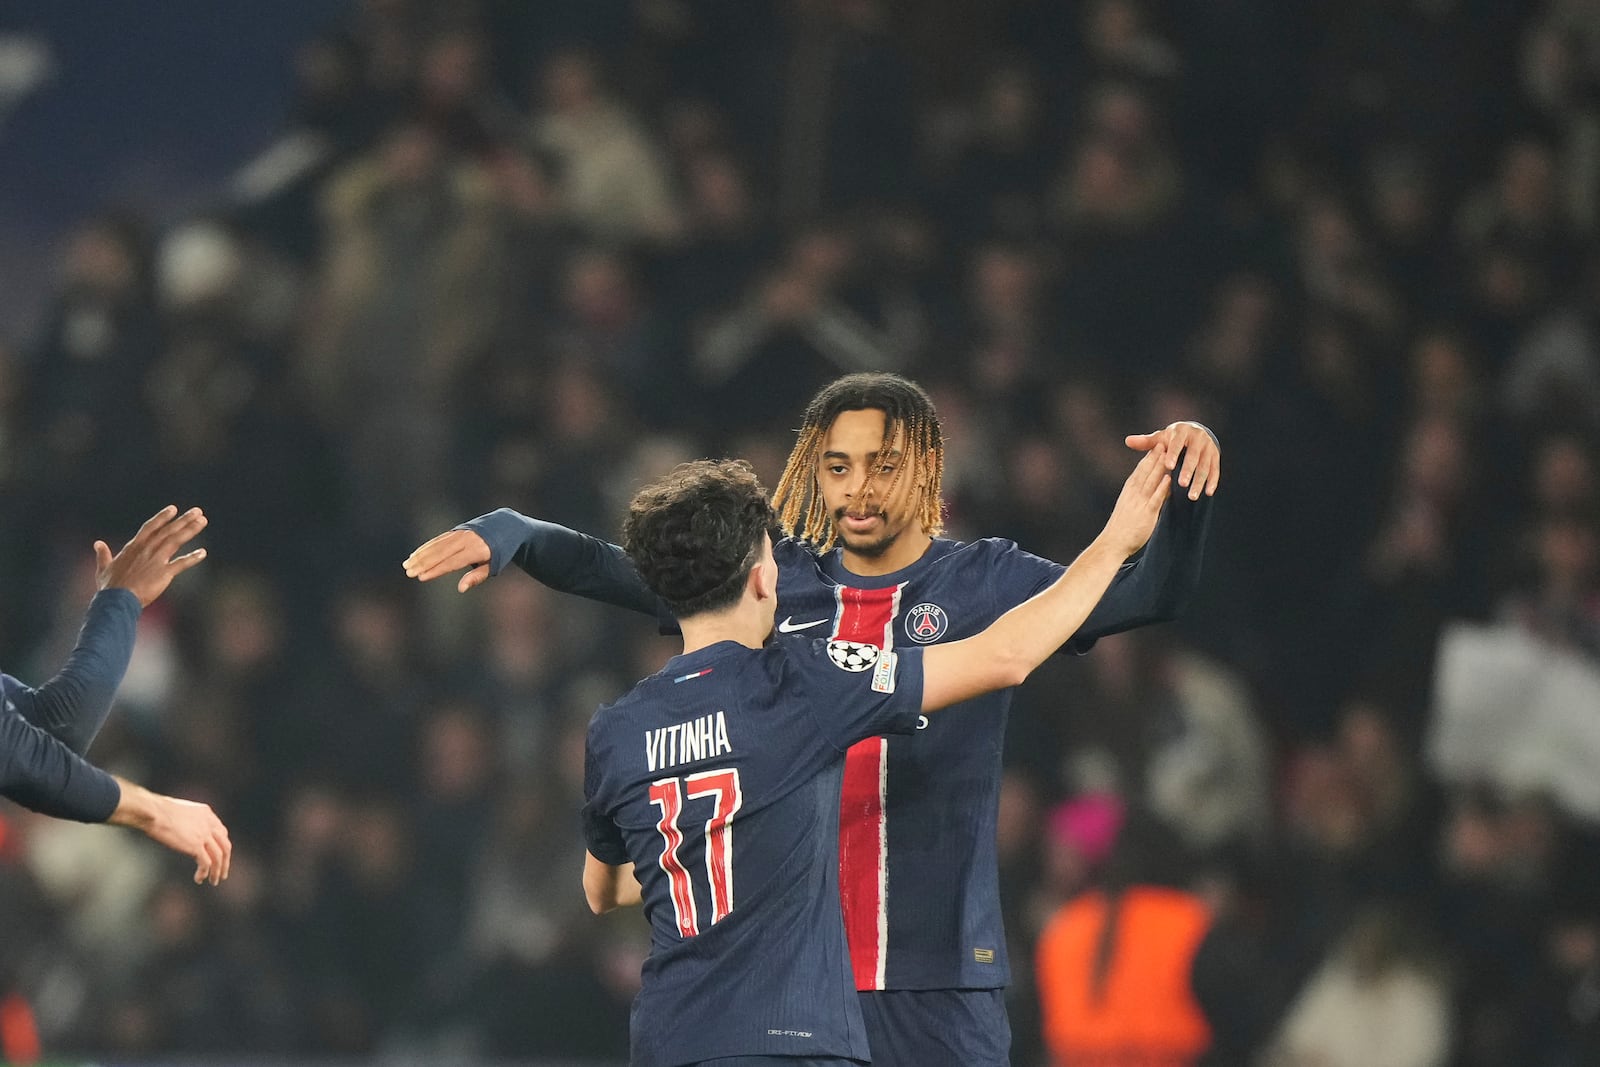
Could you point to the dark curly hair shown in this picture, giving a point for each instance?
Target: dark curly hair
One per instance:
(696, 534)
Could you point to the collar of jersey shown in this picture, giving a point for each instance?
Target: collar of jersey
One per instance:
(701, 656)
(832, 566)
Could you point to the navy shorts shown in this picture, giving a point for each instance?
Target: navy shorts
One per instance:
(937, 1027)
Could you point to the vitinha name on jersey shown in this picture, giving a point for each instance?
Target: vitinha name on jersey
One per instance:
(686, 742)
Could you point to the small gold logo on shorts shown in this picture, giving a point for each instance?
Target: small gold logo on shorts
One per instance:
(983, 955)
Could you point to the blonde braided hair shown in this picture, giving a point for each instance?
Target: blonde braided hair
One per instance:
(803, 513)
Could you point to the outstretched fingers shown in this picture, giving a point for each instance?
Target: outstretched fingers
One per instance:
(432, 558)
(178, 533)
(1151, 468)
(151, 525)
(447, 553)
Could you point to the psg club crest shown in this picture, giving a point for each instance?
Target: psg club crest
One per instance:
(852, 655)
(926, 623)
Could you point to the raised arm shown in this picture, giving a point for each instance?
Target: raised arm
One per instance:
(561, 558)
(1024, 637)
(1158, 585)
(74, 704)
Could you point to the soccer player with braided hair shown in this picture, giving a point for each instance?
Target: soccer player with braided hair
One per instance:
(865, 564)
(907, 410)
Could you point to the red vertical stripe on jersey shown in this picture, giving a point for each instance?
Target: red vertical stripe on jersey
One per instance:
(865, 615)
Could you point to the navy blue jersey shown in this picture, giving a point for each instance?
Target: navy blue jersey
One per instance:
(918, 874)
(920, 877)
(719, 778)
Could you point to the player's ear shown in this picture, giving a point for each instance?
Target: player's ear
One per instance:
(763, 580)
(756, 583)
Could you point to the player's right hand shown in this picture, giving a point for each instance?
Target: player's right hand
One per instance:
(181, 825)
(451, 552)
(145, 566)
(194, 829)
(1133, 519)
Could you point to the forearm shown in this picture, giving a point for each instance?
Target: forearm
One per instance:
(607, 887)
(44, 775)
(136, 806)
(74, 704)
(564, 559)
(1024, 637)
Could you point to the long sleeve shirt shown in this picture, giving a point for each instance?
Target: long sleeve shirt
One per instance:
(45, 731)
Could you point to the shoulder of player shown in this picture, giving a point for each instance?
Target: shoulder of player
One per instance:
(986, 551)
(794, 552)
(789, 658)
(635, 702)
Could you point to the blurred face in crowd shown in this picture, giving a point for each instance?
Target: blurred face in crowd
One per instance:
(872, 500)
(719, 195)
(1527, 183)
(1114, 27)
(1010, 104)
(1435, 459)
(1403, 197)
(1442, 373)
(100, 261)
(599, 292)
(1233, 340)
(822, 255)
(452, 70)
(457, 761)
(1124, 116)
(411, 154)
(1564, 474)
(1567, 553)
(1005, 282)
(245, 628)
(571, 83)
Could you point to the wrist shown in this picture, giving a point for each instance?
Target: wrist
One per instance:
(1107, 549)
(120, 592)
(135, 808)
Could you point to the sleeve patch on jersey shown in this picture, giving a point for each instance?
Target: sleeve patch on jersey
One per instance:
(853, 656)
(883, 673)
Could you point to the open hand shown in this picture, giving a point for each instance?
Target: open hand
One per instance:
(1202, 458)
(451, 552)
(145, 566)
(1138, 506)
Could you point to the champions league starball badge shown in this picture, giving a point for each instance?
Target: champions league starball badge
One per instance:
(926, 623)
(852, 655)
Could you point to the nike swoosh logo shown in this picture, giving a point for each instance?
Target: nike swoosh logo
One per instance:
(789, 626)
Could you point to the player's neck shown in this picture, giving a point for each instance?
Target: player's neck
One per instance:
(906, 550)
(746, 623)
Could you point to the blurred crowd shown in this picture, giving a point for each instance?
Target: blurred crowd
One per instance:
(504, 253)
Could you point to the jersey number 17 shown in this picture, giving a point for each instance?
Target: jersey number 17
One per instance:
(668, 794)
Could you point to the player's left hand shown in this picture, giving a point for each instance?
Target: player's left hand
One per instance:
(452, 550)
(1202, 456)
(148, 563)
